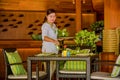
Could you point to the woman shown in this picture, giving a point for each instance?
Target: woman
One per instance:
(49, 37)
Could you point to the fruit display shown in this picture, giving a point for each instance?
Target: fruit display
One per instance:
(77, 50)
(83, 51)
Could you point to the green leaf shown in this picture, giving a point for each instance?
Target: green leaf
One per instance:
(86, 38)
(63, 33)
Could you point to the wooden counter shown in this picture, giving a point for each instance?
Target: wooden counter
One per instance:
(20, 44)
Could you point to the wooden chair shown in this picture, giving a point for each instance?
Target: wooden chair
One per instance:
(8, 72)
(114, 75)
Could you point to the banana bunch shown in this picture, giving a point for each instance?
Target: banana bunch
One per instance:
(83, 51)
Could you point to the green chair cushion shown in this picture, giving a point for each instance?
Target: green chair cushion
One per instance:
(61, 64)
(14, 57)
(75, 65)
(116, 69)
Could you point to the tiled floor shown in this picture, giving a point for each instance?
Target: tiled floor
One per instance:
(54, 78)
(69, 79)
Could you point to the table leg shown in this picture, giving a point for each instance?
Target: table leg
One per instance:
(88, 68)
(37, 71)
(29, 69)
(48, 69)
(57, 70)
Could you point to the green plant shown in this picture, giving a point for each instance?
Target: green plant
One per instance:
(62, 32)
(86, 38)
(36, 36)
(97, 26)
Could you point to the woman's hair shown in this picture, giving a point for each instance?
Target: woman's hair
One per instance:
(49, 11)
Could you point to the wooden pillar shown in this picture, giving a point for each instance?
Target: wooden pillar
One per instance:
(111, 21)
(111, 14)
(78, 15)
(107, 56)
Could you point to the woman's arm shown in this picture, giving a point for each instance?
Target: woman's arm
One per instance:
(48, 39)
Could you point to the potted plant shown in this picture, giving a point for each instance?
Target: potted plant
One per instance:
(98, 27)
(86, 39)
(62, 32)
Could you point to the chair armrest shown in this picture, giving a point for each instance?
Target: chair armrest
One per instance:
(17, 63)
(103, 62)
(106, 63)
(117, 65)
(98, 63)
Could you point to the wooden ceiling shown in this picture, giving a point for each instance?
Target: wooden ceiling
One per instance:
(58, 5)
(69, 5)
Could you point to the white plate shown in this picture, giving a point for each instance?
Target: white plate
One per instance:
(44, 54)
(85, 54)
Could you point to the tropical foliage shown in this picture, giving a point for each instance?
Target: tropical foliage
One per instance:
(62, 32)
(36, 36)
(86, 38)
(97, 26)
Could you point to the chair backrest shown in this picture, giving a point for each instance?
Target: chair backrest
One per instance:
(7, 66)
(118, 40)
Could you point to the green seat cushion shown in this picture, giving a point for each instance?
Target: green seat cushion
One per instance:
(14, 57)
(61, 64)
(116, 69)
(75, 65)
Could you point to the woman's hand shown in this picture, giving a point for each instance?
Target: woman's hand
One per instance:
(56, 42)
(60, 39)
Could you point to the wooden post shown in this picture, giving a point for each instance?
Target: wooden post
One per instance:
(106, 14)
(111, 14)
(78, 15)
(111, 21)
